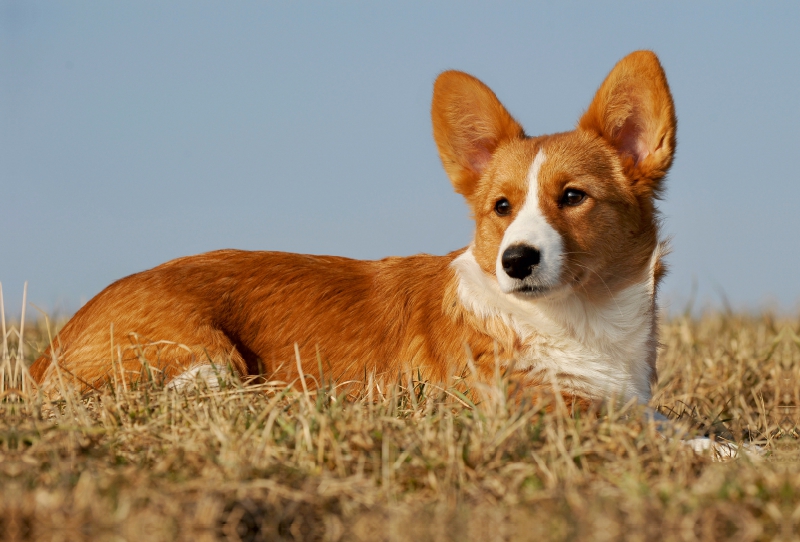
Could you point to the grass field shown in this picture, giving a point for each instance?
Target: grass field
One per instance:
(411, 460)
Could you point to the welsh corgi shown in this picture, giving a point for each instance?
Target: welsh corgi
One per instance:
(557, 286)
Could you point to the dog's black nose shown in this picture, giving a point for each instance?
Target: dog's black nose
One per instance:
(519, 260)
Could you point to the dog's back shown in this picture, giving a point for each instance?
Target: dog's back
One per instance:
(249, 309)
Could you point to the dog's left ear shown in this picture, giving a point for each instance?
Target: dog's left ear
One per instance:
(634, 113)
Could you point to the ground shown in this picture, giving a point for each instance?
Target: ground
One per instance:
(412, 460)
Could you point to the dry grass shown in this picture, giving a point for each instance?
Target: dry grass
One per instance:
(409, 460)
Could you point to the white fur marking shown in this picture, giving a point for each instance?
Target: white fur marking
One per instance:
(662, 248)
(718, 450)
(208, 374)
(601, 351)
(724, 451)
(530, 227)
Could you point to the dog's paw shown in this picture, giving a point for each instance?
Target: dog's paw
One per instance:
(199, 377)
(722, 450)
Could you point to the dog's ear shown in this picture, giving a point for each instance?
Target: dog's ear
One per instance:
(469, 122)
(634, 113)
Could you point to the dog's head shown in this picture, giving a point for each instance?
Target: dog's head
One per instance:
(566, 212)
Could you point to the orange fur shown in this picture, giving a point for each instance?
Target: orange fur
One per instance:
(386, 317)
(252, 307)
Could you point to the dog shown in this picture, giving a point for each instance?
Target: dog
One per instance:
(557, 288)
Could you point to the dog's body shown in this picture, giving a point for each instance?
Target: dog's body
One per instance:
(557, 287)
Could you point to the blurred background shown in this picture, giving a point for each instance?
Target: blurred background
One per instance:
(135, 132)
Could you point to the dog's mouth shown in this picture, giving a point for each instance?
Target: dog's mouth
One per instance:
(528, 291)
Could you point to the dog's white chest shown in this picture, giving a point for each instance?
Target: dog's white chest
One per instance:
(599, 351)
(613, 365)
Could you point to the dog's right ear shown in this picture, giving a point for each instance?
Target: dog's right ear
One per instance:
(633, 112)
(469, 122)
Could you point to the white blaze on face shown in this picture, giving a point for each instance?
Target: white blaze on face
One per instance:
(530, 227)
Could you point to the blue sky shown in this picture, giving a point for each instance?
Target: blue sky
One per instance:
(135, 132)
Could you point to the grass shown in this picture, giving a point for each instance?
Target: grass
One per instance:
(411, 460)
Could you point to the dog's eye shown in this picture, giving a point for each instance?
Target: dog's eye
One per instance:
(572, 197)
(502, 207)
